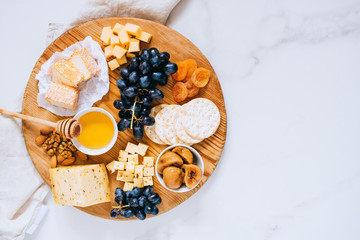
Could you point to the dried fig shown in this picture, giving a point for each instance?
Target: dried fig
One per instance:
(169, 159)
(185, 154)
(193, 174)
(60, 158)
(173, 177)
(40, 140)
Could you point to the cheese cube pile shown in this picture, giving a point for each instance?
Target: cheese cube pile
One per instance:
(135, 171)
(122, 41)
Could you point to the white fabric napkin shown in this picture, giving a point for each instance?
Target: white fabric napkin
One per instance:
(22, 190)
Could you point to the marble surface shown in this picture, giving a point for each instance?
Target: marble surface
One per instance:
(290, 75)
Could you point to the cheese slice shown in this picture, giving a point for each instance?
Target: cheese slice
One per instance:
(84, 61)
(62, 96)
(66, 73)
(80, 185)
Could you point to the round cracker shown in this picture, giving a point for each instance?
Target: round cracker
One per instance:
(168, 121)
(200, 118)
(181, 133)
(160, 123)
(150, 130)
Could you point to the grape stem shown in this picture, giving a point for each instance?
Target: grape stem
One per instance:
(133, 113)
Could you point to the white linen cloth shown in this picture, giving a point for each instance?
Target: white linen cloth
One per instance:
(22, 190)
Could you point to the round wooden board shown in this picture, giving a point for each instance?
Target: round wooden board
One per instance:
(165, 39)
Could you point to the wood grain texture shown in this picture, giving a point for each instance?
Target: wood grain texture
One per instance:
(165, 39)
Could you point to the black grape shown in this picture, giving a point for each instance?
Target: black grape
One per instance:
(148, 120)
(123, 124)
(138, 131)
(156, 94)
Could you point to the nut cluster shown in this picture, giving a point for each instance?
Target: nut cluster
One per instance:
(55, 144)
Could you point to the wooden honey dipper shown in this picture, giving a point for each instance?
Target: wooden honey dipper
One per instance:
(70, 128)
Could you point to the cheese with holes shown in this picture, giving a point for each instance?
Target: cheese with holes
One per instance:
(139, 171)
(85, 63)
(128, 186)
(66, 73)
(133, 158)
(110, 167)
(138, 182)
(141, 149)
(148, 171)
(148, 161)
(62, 96)
(148, 181)
(119, 165)
(80, 185)
(131, 148)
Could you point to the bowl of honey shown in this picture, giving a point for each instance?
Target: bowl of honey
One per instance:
(98, 131)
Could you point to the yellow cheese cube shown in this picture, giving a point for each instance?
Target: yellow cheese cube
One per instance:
(141, 149)
(132, 29)
(131, 148)
(133, 158)
(148, 171)
(122, 60)
(118, 51)
(134, 46)
(148, 161)
(148, 181)
(119, 165)
(105, 35)
(123, 36)
(108, 51)
(110, 167)
(113, 64)
(114, 39)
(139, 171)
(117, 28)
(120, 176)
(130, 167)
(128, 186)
(144, 36)
(138, 182)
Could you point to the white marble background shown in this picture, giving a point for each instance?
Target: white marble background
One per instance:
(290, 72)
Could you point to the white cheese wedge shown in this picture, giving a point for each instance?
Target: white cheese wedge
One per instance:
(62, 96)
(85, 63)
(80, 185)
(66, 73)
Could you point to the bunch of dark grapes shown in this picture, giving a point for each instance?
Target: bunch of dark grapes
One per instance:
(138, 89)
(135, 203)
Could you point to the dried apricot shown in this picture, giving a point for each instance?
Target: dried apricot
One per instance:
(200, 77)
(191, 66)
(179, 92)
(181, 72)
(192, 90)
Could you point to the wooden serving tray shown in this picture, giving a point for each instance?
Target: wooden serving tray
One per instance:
(165, 39)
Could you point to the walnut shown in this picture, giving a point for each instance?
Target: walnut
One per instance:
(44, 146)
(51, 151)
(66, 154)
(57, 138)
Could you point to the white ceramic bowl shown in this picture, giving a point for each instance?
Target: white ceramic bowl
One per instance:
(99, 151)
(197, 161)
